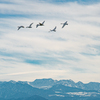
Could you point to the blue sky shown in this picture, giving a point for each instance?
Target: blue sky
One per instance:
(69, 53)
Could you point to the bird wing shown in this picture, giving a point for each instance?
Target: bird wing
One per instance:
(66, 23)
(37, 25)
(21, 26)
(18, 27)
(31, 24)
(54, 28)
(43, 22)
(63, 25)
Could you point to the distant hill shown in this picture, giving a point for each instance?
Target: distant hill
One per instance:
(49, 89)
(35, 97)
(16, 90)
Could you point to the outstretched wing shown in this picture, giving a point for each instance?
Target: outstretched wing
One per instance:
(37, 25)
(30, 24)
(55, 28)
(66, 22)
(43, 22)
(63, 25)
(18, 27)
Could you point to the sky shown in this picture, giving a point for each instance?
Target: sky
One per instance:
(72, 52)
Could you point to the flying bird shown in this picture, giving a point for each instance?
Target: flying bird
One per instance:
(30, 26)
(40, 24)
(64, 24)
(53, 29)
(20, 27)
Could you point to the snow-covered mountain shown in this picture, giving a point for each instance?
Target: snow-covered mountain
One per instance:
(49, 89)
(48, 83)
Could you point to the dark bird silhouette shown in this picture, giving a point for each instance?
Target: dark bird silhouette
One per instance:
(53, 29)
(40, 24)
(64, 24)
(30, 26)
(20, 27)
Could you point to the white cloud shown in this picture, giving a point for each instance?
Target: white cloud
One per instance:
(72, 49)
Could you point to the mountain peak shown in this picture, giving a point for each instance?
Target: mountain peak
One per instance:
(79, 82)
(12, 81)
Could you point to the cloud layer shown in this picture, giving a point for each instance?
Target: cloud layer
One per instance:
(70, 53)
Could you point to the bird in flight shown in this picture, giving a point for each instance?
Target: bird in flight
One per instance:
(20, 27)
(40, 24)
(64, 24)
(30, 26)
(53, 29)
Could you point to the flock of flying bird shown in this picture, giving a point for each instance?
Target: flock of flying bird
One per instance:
(42, 24)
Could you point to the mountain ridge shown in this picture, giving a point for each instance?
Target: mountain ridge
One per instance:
(60, 90)
(49, 82)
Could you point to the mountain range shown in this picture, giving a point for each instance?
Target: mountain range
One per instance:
(49, 89)
(48, 83)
